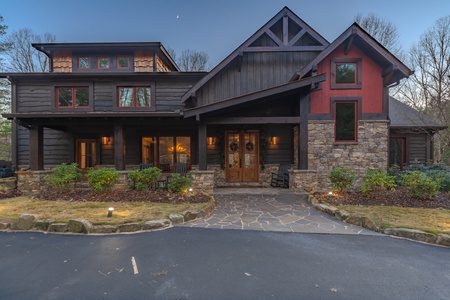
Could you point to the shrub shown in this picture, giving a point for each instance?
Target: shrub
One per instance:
(178, 183)
(442, 176)
(342, 178)
(377, 181)
(144, 179)
(420, 185)
(102, 179)
(64, 176)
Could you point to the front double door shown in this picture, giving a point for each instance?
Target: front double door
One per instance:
(242, 156)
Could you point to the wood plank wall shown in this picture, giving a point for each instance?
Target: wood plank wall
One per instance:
(258, 71)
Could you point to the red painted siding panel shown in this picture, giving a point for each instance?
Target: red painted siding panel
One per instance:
(371, 90)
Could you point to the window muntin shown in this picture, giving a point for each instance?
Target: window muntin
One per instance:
(84, 62)
(346, 73)
(103, 62)
(134, 96)
(346, 117)
(72, 97)
(123, 62)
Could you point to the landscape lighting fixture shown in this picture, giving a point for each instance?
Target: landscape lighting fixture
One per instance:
(110, 211)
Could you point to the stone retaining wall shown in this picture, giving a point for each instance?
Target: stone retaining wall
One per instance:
(30, 182)
(7, 184)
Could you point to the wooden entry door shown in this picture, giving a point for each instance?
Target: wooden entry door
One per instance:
(86, 153)
(241, 156)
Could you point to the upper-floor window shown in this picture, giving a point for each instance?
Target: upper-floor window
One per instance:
(346, 73)
(123, 62)
(84, 62)
(103, 62)
(72, 97)
(134, 96)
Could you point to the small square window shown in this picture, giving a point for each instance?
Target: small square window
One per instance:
(82, 96)
(83, 63)
(126, 97)
(123, 62)
(103, 62)
(64, 97)
(345, 73)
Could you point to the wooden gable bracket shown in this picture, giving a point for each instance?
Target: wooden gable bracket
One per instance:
(21, 123)
(388, 73)
(350, 41)
(239, 60)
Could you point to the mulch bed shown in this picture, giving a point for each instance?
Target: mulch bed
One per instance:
(400, 198)
(10, 194)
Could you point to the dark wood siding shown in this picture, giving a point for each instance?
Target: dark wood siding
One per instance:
(259, 70)
(34, 97)
(56, 147)
(418, 148)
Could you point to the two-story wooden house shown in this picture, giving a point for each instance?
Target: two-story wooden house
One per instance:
(285, 96)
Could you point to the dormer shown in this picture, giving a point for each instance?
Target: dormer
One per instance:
(107, 57)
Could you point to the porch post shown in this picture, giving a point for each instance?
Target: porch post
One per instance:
(119, 147)
(202, 152)
(36, 147)
(303, 133)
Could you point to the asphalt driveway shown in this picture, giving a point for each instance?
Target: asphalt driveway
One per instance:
(271, 209)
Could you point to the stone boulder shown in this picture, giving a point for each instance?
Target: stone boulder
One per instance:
(25, 222)
(57, 227)
(176, 218)
(43, 224)
(103, 229)
(129, 227)
(79, 226)
(150, 225)
(412, 234)
(191, 215)
(5, 224)
(443, 239)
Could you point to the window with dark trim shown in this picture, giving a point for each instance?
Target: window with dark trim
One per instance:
(123, 62)
(397, 151)
(346, 73)
(72, 97)
(165, 151)
(346, 121)
(84, 62)
(103, 62)
(134, 96)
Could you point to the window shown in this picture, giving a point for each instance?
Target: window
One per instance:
(123, 62)
(165, 151)
(397, 151)
(72, 97)
(134, 96)
(346, 73)
(346, 120)
(103, 63)
(84, 62)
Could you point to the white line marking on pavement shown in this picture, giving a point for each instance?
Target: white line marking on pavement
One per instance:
(133, 262)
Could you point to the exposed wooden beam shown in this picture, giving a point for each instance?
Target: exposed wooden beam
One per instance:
(119, 146)
(36, 151)
(389, 70)
(285, 29)
(202, 151)
(254, 120)
(285, 49)
(273, 37)
(303, 133)
(349, 44)
(296, 37)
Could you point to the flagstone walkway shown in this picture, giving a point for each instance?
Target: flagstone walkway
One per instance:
(269, 209)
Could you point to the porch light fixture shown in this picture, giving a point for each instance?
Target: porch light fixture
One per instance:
(110, 211)
(274, 140)
(210, 140)
(330, 193)
(106, 140)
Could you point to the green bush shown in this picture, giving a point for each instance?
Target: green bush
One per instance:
(443, 177)
(178, 183)
(144, 179)
(420, 185)
(102, 179)
(377, 181)
(342, 178)
(64, 176)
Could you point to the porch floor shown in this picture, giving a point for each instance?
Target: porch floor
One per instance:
(270, 209)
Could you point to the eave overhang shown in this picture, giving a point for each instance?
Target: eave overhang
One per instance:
(279, 90)
(95, 75)
(88, 115)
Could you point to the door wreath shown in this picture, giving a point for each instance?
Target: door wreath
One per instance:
(249, 146)
(234, 146)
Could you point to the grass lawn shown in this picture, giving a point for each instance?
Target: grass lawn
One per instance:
(425, 219)
(95, 212)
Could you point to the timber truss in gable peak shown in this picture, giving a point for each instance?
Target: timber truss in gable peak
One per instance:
(287, 32)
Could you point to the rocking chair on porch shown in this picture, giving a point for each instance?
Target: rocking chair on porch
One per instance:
(281, 179)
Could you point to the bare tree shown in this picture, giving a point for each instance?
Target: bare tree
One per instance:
(193, 61)
(429, 88)
(5, 125)
(21, 56)
(385, 32)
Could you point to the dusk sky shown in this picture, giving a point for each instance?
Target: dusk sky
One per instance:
(214, 27)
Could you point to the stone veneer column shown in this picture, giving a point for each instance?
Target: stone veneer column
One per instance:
(202, 180)
(29, 182)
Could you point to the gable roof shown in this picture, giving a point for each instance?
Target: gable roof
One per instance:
(394, 68)
(280, 42)
(402, 115)
(50, 49)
